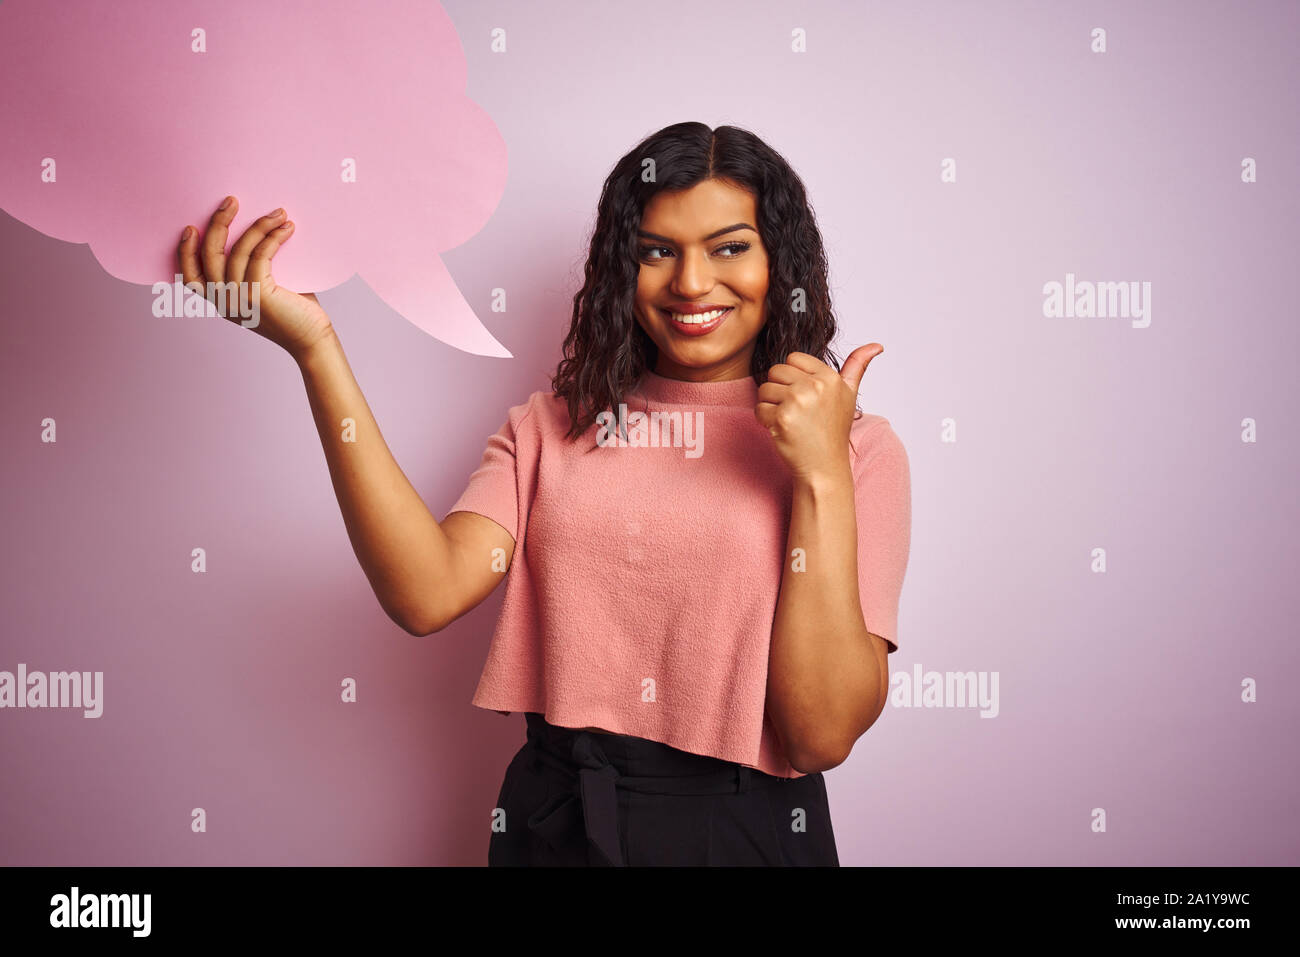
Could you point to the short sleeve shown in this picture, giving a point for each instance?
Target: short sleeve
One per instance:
(493, 489)
(883, 495)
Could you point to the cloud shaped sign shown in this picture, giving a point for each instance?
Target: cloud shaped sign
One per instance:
(125, 121)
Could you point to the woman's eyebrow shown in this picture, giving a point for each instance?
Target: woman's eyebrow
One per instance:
(712, 235)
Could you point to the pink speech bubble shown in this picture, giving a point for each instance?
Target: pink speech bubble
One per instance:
(122, 122)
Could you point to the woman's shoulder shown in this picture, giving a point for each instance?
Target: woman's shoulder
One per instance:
(871, 435)
(543, 411)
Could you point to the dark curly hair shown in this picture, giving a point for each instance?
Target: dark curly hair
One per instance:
(606, 350)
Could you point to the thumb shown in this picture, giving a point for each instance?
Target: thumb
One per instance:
(856, 364)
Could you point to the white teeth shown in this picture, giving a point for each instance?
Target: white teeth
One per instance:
(698, 318)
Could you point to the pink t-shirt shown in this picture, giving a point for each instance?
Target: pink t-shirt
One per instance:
(644, 582)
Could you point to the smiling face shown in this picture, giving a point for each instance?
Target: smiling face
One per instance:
(699, 248)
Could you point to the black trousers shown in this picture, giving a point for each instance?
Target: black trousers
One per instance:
(583, 798)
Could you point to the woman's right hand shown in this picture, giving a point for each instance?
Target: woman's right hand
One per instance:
(293, 321)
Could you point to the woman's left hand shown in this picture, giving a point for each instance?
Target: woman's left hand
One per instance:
(808, 408)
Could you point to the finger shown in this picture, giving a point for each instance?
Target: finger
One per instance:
(774, 393)
(259, 264)
(254, 234)
(856, 364)
(814, 370)
(187, 253)
(806, 363)
(785, 374)
(796, 383)
(214, 240)
(768, 416)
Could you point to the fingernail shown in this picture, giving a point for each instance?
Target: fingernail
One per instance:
(226, 202)
(186, 234)
(278, 212)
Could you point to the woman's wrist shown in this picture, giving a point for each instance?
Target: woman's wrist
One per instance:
(317, 351)
(829, 478)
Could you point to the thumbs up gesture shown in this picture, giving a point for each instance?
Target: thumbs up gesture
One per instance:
(808, 408)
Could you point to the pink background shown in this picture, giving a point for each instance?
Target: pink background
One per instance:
(1119, 690)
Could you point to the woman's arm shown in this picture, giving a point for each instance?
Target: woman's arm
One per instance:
(827, 675)
(425, 574)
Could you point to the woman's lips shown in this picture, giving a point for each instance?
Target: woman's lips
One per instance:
(696, 328)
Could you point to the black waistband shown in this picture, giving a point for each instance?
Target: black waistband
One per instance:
(638, 761)
(596, 764)
(631, 756)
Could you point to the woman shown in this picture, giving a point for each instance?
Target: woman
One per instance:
(713, 537)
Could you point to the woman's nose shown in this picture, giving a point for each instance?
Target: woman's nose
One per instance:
(693, 277)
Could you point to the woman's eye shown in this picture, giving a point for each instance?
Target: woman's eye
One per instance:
(735, 249)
